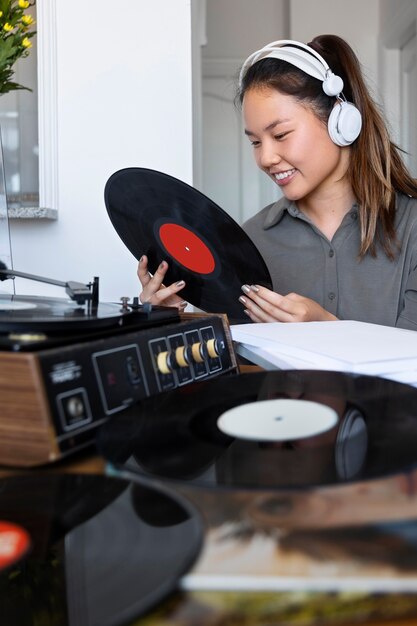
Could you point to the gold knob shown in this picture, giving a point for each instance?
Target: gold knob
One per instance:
(212, 348)
(163, 362)
(181, 356)
(197, 352)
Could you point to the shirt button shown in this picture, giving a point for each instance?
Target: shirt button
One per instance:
(331, 295)
(331, 253)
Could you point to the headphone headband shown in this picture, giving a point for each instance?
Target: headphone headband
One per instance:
(300, 55)
(345, 120)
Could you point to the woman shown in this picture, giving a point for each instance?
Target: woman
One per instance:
(342, 242)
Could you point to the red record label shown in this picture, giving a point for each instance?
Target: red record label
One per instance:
(187, 248)
(14, 543)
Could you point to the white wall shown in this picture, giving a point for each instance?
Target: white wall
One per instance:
(237, 27)
(356, 21)
(390, 10)
(123, 99)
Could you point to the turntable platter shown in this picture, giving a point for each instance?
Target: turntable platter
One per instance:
(34, 313)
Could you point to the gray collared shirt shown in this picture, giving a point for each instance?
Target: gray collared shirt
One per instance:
(302, 260)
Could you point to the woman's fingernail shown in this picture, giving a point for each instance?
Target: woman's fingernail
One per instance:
(162, 265)
(141, 259)
(183, 303)
(245, 288)
(242, 300)
(254, 288)
(246, 311)
(180, 283)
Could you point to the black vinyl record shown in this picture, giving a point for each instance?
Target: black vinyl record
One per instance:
(166, 219)
(52, 316)
(281, 429)
(32, 313)
(102, 550)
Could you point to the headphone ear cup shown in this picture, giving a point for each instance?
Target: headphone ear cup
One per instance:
(344, 123)
(332, 84)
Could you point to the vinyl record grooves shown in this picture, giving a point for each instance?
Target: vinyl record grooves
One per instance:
(103, 550)
(281, 429)
(166, 219)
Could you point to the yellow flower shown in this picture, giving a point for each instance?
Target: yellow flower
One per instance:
(26, 43)
(27, 20)
(7, 27)
(23, 4)
(1, 13)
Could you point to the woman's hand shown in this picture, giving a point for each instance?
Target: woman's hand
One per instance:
(263, 305)
(153, 289)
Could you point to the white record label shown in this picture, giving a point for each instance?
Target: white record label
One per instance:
(277, 420)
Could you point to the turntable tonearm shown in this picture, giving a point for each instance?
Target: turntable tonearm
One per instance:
(79, 292)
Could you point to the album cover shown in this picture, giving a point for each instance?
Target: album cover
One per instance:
(254, 572)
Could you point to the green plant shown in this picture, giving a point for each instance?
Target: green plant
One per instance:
(16, 31)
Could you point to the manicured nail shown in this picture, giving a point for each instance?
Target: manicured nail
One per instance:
(141, 259)
(246, 311)
(162, 265)
(180, 283)
(242, 300)
(254, 288)
(245, 288)
(183, 303)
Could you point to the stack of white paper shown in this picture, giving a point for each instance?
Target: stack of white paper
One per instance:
(347, 346)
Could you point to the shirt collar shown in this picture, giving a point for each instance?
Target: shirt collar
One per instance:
(276, 211)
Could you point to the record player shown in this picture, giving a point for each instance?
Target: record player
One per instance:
(67, 364)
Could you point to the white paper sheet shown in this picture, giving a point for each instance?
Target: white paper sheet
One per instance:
(349, 346)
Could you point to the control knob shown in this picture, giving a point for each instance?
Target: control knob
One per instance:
(164, 362)
(199, 351)
(213, 348)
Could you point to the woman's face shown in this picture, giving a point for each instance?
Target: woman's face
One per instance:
(292, 145)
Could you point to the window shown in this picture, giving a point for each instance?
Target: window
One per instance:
(19, 131)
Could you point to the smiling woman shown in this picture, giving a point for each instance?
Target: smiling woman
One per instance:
(341, 243)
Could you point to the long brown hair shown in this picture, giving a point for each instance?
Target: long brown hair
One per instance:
(376, 169)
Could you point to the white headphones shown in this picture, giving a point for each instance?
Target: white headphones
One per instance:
(345, 120)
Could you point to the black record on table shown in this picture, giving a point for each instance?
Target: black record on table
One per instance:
(166, 219)
(53, 316)
(37, 313)
(99, 550)
(280, 429)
